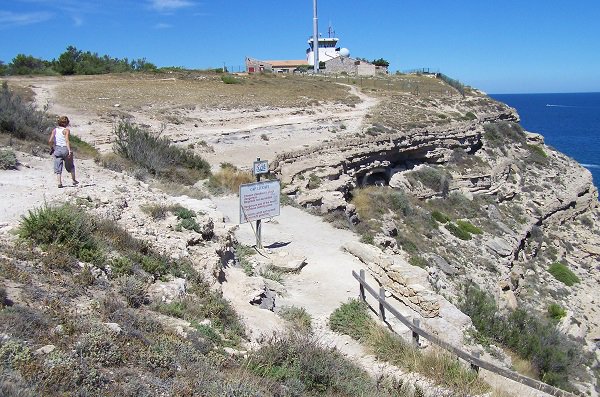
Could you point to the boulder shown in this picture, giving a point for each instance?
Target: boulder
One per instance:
(167, 291)
(499, 246)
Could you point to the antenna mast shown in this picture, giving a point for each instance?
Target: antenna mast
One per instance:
(315, 37)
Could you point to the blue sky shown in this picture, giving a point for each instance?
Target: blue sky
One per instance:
(506, 46)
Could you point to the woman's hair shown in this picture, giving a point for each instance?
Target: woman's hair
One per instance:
(63, 121)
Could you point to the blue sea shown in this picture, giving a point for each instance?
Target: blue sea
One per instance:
(569, 122)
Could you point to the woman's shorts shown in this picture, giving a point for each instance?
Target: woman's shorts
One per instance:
(61, 154)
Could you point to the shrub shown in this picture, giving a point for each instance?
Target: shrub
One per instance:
(457, 231)
(556, 312)
(297, 317)
(470, 116)
(434, 178)
(313, 181)
(299, 360)
(8, 160)
(440, 217)
(553, 355)
(4, 301)
(352, 318)
(563, 274)
(134, 290)
(502, 133)
(228, 179)
(156, 211)
(64, 226)
(22, 120)
(468, 227)
(229, 79)
(158, 155)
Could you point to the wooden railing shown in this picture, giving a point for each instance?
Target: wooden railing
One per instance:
(472, 359)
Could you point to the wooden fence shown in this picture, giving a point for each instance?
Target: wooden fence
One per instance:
(472, 359)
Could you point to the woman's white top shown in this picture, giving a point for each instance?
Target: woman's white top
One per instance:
(59, 137)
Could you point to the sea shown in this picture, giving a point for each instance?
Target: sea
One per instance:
(569, 123)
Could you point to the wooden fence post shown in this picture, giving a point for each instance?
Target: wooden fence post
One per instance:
(362, 287)
(473, 366)
(381, 300)
(415, 336)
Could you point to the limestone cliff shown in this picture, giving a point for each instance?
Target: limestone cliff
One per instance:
(468, 159)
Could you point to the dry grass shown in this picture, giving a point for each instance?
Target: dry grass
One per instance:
(196, 91)
(228, 179)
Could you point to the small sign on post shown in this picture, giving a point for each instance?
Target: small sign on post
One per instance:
(260, 167)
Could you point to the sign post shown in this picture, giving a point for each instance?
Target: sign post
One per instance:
(259, 200)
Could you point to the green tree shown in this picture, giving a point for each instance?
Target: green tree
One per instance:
(3, 68)
(27, 64)
(380, 62)
(67, 61)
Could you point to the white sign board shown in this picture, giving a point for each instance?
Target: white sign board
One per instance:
(259, 200)
(260, 167)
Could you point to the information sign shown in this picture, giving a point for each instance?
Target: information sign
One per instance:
(259, 200)
(260, 167)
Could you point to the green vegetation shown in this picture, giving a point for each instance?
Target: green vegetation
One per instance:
(556, 312)
(457, 231)
(434, 178)
(20, 119)
(553, 356)
(563, 274)
(502, 133)
(468, 227)
(352, 318)
(313, 181)
(74, 61)
(242, 253)
(158, 155)
(306, 367)
(229, 79)
(8, 159)
(297, 317)
(470, 116)
(440, 217)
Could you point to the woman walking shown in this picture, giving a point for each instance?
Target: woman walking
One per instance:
(61, 147)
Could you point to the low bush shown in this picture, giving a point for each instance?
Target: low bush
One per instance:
(134, 289)
(553, 355)
(563, 274)
(228, 179)
(297, 317)
(300, 362)
(434, 178)
(64, 226)
(8, 160)
(352, 318)
(502, 133)
(440, 217)
(22, 120)
(457, 231)
(229, 79)
(556, 312)
(158, 155)
(468, 227)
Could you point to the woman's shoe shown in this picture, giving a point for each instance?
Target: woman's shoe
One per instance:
(60, 185)
(75, 183)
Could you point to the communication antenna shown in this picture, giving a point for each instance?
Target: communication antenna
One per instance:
(315, 37)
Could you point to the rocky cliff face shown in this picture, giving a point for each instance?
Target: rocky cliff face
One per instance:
(468, 161)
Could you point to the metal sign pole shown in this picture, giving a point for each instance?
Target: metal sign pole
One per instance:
(258, 222)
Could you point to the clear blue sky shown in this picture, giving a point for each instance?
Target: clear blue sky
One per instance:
(499, 46)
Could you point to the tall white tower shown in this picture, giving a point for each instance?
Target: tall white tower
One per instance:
(315, 61)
